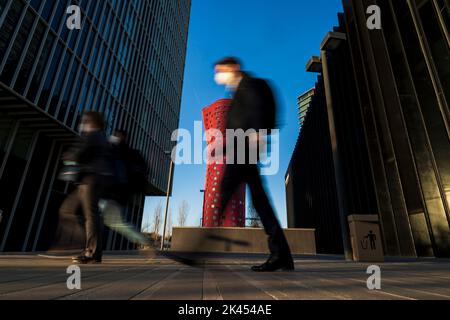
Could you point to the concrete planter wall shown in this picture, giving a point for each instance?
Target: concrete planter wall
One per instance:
(238, 240)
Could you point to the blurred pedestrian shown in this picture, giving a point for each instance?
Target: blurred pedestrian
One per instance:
(130, 180)
(253, 109)
(92, 158)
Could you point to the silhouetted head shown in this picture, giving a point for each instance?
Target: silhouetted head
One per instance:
(122, 135)
(92, 121)
(119, 137)
(228, 71)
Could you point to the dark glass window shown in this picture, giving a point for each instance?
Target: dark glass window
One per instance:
(90, 102)
(90, 43)
(2, 6)
(76, 96)
(48, 9)
(40, 68)
(45, 94)
(17, 48)
(56, 95)
(438, 44)
(7, 29)
(73, 37)
(82, 42)
(6, 127)
(101, 60)
(86, 88)
(69, 88)
(59, 15)
(95, 54)
(99, 12)
(36, 4)
(29, 61)
(14, 169)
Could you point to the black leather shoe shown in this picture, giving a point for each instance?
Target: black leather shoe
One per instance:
(87, 260)
(275, 264)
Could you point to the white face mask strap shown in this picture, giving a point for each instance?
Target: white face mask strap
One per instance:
(114, 140)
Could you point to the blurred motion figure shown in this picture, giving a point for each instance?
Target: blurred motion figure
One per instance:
(95, 171)
(253, 108)
(130, 179)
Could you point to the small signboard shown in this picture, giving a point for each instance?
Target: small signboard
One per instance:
(366, 238)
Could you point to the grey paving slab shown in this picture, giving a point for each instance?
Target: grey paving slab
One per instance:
(142, 277)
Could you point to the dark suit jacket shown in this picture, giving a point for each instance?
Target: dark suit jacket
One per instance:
(253, 106)
(94, 155)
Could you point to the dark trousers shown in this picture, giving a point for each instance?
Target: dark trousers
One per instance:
(235, 175)
(86, 196)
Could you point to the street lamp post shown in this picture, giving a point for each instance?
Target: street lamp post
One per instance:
(204, 198)
(169, 187)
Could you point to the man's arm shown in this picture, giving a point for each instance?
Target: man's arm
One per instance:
(255, 104)
(85, 152)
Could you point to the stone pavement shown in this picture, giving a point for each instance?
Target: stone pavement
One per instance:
(138, 276)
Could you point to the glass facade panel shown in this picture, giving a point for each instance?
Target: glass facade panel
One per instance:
(118, 63)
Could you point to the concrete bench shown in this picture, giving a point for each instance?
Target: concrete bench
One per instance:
(238, 240)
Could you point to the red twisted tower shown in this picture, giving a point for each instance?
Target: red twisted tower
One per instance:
(214, 117)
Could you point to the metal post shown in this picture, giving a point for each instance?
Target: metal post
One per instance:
(169, 187)
(337, 161)
(203, 207)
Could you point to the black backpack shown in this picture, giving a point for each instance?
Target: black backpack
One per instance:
(136, 171)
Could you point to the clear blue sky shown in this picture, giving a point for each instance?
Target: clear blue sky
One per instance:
(274, 39)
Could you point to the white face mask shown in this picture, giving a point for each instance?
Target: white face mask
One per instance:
(114, 140)
(224, 78)
(86, 128)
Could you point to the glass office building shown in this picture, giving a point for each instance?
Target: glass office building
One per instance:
(304, 102)
(126, 61)
(214, 118)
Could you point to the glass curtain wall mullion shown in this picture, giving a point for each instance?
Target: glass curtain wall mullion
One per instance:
(86, 57)
(77, 103)
(38, 199)
(57, 80)
(50, 58)
(430, 65)
(46, 202)
(5, 12)
(100, 61)
(41, 48)
(57, 83)
(372, 135)
(431, 57)
(73, 92)
(25, 49)
(9, 146)
(30, 153)
(13, 39)
(442, 23)
(425, 165)
(66, 80)
(73, 60)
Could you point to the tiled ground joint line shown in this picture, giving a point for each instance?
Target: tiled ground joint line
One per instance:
(211, 289)
(54, 282)
(111, 283)
(151, 290)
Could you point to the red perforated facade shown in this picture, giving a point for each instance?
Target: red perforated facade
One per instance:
(214, 117)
